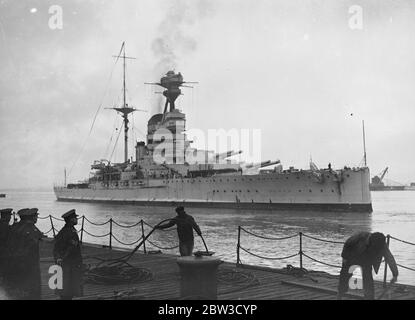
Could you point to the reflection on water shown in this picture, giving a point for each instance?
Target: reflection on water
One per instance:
(394, 213)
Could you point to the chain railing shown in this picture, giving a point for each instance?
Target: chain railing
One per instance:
(239, 247)
(110, 234)
(301, 252)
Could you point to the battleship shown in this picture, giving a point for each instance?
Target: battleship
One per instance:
(213, 179)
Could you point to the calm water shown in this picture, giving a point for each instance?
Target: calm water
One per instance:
(394, 214)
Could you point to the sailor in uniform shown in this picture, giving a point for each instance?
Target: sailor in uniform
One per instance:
(22, 270)
(366, 250)
(5, 215)
(185, 225)
(67, 254)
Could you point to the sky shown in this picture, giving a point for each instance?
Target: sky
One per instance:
(306, 73)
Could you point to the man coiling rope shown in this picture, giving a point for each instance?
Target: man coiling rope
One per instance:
(118, 270)
(185, 224)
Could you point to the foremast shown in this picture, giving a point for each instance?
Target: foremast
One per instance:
(125, 110)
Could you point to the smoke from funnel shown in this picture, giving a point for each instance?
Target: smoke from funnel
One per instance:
(173, 40)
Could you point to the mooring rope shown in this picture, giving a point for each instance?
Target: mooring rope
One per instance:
(241, 279)
(407, 242)
(117, 274)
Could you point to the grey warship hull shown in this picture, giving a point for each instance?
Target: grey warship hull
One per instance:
(285, 191)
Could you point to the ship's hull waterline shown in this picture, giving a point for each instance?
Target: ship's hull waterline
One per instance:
(285, 191)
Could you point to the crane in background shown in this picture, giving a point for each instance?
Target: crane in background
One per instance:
(378, 185)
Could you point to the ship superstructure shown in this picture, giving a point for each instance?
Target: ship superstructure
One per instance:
(162, 173)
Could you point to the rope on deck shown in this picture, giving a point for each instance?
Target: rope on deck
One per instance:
(233, 277)
(122, 273)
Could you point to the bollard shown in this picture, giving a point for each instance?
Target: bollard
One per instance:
(198, 277)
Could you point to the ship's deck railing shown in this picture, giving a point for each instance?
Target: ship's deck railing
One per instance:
(142, 237)
(301, 253)
(110, 231)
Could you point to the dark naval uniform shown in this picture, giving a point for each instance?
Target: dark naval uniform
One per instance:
(67, 251)
(366, 250)
(4, 234)
(185, 225)
(22, 271)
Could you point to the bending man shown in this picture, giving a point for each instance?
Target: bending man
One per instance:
(366, 250)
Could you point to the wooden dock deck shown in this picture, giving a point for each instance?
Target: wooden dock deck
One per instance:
(262, 284)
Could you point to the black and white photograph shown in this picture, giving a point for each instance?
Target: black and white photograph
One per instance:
(207, 156)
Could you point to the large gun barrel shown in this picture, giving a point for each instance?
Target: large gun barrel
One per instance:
(271, 163)
(261, 164)
(227, 154)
